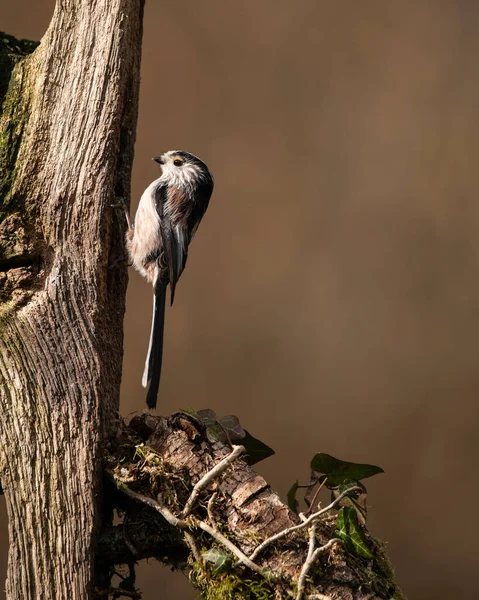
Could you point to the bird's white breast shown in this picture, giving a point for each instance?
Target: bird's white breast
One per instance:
(146, 237)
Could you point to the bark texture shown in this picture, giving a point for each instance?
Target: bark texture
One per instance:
(66, 147)
(161, 459)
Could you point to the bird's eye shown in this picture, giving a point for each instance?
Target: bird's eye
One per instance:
(177, 162)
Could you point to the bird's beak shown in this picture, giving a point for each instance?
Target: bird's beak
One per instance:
(159, 160)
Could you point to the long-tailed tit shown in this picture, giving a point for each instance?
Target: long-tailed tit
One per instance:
(167, 218)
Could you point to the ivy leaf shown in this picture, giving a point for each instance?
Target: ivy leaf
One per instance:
(256, 450)
(221, 560)
(356, 499)
(213, 431)
(192, 412)
(232, 427)
(228, 429)
(207, 417)
(349, 530)
(292, 502)
(338, 471)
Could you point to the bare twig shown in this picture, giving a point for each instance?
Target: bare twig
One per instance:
(215, 472)
(209, 508)
(194, 522)
(305, 523)
(230, 546)
(117, 593)
(312, 556)
(181, 524)
(165, 512)
(316, 494)
(312, 540)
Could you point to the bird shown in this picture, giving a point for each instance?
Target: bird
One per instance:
(165, 223)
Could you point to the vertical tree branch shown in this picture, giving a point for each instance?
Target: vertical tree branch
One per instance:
(70, 112)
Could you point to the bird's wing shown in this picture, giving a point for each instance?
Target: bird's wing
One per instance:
(179, 220)
(169, 246)
(175, 240)
(197, 211)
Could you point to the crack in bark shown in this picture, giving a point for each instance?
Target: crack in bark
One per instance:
(22, 260)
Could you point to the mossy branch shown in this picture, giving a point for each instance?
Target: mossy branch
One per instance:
(169, 465)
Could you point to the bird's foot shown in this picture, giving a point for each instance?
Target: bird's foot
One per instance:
(121, 203)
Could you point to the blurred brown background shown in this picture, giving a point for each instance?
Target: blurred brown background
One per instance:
(332, 293)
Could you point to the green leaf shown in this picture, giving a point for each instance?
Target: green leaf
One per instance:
(207, 416)
(338, 471)
(347, 484)
(292, 502)
(220, 559)
(190, 411)
(356, 499)
(215, 433)
(229, 426)
(255, 449)
(232, 427)
(349, 530)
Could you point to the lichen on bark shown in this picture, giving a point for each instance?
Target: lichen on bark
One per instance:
(14, 103)
(18, 259)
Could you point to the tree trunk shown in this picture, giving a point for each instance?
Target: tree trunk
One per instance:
(66, 147)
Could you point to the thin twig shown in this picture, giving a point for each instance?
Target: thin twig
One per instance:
(312, 540)
(181, 524)
(165, 512)
(309, 520)
(230, 546)
(120, 592)
(215, 472)
(309, 563)
(209, 508)
(311, 506)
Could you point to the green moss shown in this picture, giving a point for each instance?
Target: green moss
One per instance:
(14, 111)
(11, 51)
(6, 309)
(229, 586)
(219, 580)
(384, 576)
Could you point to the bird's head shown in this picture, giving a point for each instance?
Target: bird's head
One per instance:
(182, 169)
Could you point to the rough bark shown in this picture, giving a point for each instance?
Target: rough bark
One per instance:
(161, 459)
(66, 147)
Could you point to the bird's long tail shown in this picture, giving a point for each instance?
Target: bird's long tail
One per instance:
(152, 371)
